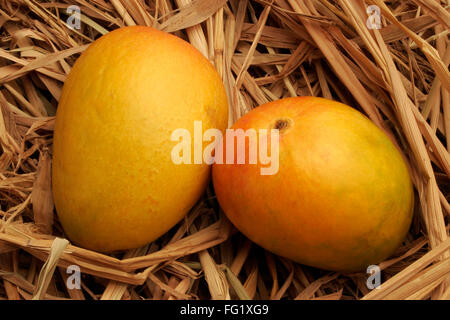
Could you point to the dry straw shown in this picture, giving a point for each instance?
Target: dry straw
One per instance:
(264, 50)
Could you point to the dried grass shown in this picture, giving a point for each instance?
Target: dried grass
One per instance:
(263, 50)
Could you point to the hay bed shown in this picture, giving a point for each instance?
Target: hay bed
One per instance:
(264, 50)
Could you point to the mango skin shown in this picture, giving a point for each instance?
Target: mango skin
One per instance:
(114, 183)
(342, 198)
